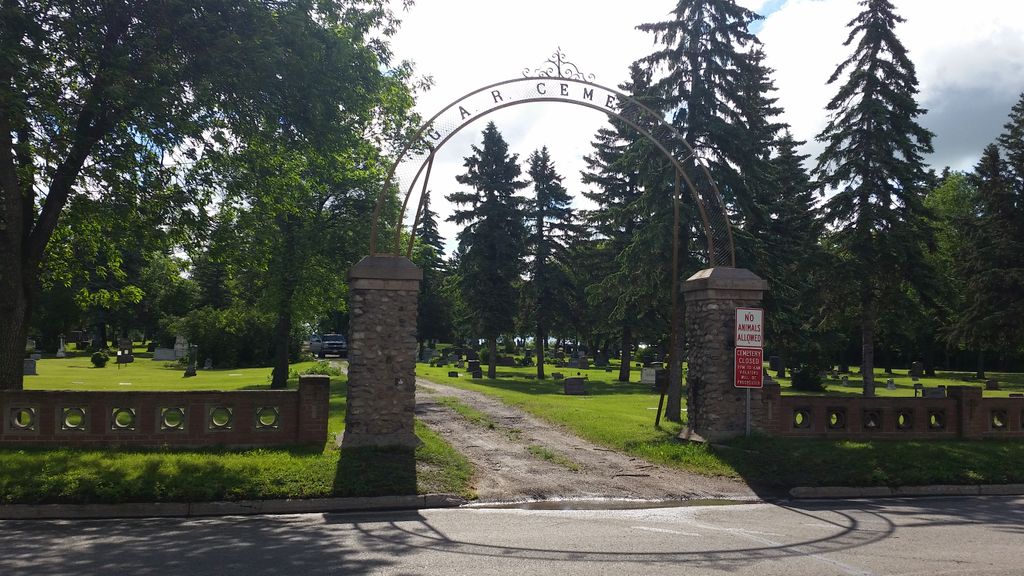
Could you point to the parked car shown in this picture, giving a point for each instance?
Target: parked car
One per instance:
(333, 344)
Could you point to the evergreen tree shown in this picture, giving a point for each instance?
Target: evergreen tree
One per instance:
(493, 236)
(551, 217)
(993, 267)
(614, 167)
(791, 252)
(434, 313)
(1012, 142)
(872, 161)
(711, 75)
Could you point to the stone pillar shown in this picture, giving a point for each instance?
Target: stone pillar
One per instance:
(382, 352)
(716, 409)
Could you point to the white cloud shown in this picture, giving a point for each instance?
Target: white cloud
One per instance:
(969, 58)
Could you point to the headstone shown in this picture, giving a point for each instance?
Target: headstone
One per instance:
(890, 384)
(916, 369)
(180, 347)
(166, 354)
(660, 380)
(36, 356)
(477, 374)
(584, 363)
(601, 359)
(60, 349)
(453, 374)
(30, 345)
(557, 375)
(29, 367)
(573, 386)
(208, 365)
(992, 384)
(648, 376)
(845, 380)
(427, 354)
(774, 362)
(574, 362)
(473, 365)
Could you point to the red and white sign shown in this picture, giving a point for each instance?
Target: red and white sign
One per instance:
(749, 328)
(749, 367)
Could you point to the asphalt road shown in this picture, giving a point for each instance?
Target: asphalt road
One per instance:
(979, 535)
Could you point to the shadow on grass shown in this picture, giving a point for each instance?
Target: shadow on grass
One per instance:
(788, 462)
(376, 472)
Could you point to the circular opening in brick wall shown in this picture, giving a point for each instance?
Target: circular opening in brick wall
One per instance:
(267, 417)
(23, 418)
(904, 419)
(998, 419)
(123, 419)
(802, 418)
(836, 419)
(220, 418)
(872, 419)
(74, 418)
(172, 418)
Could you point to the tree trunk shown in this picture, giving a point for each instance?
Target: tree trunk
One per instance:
(539, 346)
(287, 279)
(626, 355)
(674, 402)
(14, 320)
(781, 372)
(980, 373)
(492, 349)
(867, 331)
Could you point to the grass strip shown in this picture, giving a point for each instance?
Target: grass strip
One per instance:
(471, 414)
(553, 457)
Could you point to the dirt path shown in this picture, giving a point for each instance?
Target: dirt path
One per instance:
(524, 458)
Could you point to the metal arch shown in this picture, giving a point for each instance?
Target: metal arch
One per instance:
(428, 162)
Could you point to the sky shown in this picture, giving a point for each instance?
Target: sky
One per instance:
(969, 58)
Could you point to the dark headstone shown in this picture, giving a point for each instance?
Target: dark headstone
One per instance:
(477, 374)
(473, 365)
(573, 387)
(557, 375)
(453, 374)
(916, 369)
(774, 363)
(992, 384)
(661, 381)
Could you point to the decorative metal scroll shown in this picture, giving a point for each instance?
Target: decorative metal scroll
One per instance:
(414, 162)
(556, 66)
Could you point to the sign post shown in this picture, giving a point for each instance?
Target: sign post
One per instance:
(749, 354)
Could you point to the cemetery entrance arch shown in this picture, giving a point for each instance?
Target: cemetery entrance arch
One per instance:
(384, 285)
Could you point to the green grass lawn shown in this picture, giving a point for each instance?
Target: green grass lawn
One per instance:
(69, 475)
(1008, 383)
(621, 416)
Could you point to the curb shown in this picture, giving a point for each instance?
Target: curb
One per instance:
(239, 508)
(817, 492)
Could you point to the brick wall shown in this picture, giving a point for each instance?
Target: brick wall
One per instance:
(963, 414)
(242, 418)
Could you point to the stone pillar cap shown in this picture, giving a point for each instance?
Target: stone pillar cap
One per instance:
(725, 279)
(385, 267)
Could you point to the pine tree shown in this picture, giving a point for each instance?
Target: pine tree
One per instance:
(493, 236)
(434, 313)
(992, 265)
(551, 217)
(615, 166)
(872, 161)
(706, 51)
(791, 251)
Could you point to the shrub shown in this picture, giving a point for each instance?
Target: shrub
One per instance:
(807, 378)
(99, 358)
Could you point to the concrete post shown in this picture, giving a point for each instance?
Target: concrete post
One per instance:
(382, 352)
(716, 409)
